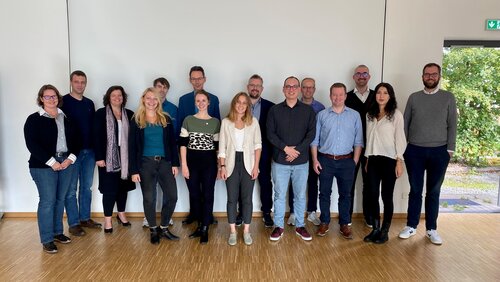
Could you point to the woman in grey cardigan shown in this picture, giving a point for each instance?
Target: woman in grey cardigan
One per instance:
(240, 146)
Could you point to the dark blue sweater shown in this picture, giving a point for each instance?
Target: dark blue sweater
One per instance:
(82, 114)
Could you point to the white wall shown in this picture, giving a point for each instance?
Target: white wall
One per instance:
(33, 52)
(132, 42)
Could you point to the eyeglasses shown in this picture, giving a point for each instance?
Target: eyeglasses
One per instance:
(254, 85)
(308, 87)
(197, 78)
(50, 97)
(362, 74)
(294, 87)
(433, 75)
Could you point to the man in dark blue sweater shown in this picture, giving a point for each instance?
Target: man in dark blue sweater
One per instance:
(80, 110)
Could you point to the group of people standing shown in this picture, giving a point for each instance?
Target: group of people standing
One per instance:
(285, 147)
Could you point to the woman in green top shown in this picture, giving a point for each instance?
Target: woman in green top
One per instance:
(198, 144)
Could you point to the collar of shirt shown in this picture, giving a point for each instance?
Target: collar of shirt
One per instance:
(257, 103)
(362, 96)
(434, 91)
(42, 112)
(330, 110)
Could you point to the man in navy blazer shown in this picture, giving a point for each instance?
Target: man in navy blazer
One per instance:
(186, 108)
(260, 109)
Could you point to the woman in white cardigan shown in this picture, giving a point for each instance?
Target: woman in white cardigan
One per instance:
(240, 147)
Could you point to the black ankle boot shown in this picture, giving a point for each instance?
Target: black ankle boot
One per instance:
(204, 235)
(196, 233)
(155, 235)
(383, 235)
(375, 232)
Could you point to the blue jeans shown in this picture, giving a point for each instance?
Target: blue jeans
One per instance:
(343, 171)
(52, 189)
(84, 172)
(281, 177)
(434, 161)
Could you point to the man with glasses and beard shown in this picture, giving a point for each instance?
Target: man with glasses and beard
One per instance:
(431, 129)
(359, 99)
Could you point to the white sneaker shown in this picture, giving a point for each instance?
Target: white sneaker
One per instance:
(407, 232)
(291, 220)
(434, 237)
(171, 222)
(232, 239)
(145, 223)
(247, 238)
(313, 217)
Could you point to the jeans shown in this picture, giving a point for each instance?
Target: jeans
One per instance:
(84, 172)
(312, 191)
(381, 169)
(239, 186)
(343, 171)
(151, 172)
(281, 177)
(52, 189)
(434, 161)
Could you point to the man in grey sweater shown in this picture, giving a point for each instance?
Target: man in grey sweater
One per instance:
(431, 129)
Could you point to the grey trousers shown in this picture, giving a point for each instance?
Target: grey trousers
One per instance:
(240, 183)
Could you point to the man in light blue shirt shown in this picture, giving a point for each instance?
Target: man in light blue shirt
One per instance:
(335, 152)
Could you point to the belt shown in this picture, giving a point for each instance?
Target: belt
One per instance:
(157, 158)
(61, 154)
(338, 157)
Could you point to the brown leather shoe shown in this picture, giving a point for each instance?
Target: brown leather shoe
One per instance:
(90, 224)
(345, 230)
(76, 230)
(323, 228)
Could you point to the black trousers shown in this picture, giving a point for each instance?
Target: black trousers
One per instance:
(362, 164)
(109, 200)
(266, 186)
(201, 183)
(153, 172)
(381, 170)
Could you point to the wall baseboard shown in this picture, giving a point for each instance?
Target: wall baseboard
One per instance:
(175, 215)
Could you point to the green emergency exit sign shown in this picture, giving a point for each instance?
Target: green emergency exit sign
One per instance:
(493, 24)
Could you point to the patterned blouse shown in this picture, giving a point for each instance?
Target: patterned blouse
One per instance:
(200, 134)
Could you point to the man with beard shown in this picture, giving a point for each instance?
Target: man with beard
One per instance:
(359, 99)
(260, 109)
(431, 129)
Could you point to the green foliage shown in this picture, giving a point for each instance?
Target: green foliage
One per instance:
(473, 75)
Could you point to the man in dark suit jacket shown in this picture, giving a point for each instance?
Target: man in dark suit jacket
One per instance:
(359, 99)
(186, 102)
(260, 109)
(187, 107)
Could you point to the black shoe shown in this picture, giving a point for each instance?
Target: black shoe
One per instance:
(108, 230)
(76, 230)
(213, 220)
(126, 224)
(383, 236)
(204, 235)
(169, 235)
(50, 248)
(155, 235)
(239, 220)
(188, 220)
(196, 233)
(268, 220)
(372, 236)
(61, 238)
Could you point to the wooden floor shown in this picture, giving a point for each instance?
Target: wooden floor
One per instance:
(471, 252)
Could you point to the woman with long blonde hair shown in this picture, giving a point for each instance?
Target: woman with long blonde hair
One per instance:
(240, 146)
(154, 157)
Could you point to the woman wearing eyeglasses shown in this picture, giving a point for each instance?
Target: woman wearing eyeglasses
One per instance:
(154, 158)
(111, 132)
(198, 144)
(385, 145)
(53, 145)
(240, 146)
